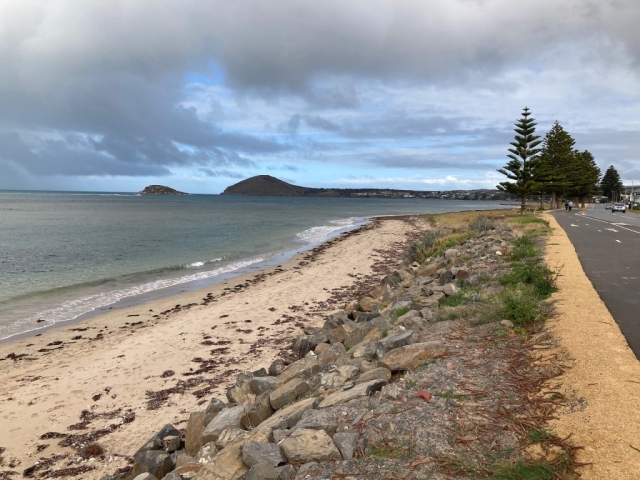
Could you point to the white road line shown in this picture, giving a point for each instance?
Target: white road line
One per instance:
(618, 241)
(574, 225)
(609, 223)
(612, 230)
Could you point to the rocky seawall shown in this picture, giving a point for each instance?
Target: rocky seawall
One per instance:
(401, 383)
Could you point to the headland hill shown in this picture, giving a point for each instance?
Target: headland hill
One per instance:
(268, 186)
(160, 190)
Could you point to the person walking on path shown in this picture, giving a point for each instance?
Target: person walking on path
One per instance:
(566, 206)
(570, 205)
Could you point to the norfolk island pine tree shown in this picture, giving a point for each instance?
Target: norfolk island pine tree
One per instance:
(524, 160)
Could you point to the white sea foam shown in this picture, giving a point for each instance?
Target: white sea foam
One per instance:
(321, 233)
(200, 264)
(74, 308)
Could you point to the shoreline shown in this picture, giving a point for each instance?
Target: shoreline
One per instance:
(148, 365)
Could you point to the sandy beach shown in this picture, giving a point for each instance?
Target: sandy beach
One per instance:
(117, 378)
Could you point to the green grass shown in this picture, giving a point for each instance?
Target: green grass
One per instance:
(524, 247)
(399, 312)
(528, 220)
(454, 300)
(521, 305)
(538, 470)
(536, 435)
(434, 243)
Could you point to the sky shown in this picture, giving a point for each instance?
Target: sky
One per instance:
(114, 95)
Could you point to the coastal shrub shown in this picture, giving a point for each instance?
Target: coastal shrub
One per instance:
(419, 251)
(542, 279)
(521, 305)
(524, 247)
(528, 220)
(483, 224)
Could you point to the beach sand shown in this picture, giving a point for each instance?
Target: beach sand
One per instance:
(105, 367)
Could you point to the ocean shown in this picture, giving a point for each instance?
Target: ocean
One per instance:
(69, 255)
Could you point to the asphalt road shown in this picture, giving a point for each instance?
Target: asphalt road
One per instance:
(608, 245)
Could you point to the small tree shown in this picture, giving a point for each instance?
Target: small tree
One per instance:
(611, 184)
(524, 160)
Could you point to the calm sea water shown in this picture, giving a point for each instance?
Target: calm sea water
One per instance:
(64, 256)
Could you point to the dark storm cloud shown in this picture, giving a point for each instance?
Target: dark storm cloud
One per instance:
(98, 88)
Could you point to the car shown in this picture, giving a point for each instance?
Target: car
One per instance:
(618, 207)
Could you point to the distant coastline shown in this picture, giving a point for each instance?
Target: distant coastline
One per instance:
(266, 185)
(160, 190)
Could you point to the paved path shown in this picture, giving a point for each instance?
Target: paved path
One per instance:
(608, 246)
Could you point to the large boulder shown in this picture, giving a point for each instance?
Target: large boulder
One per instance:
(155, 462)
(411, 357)
(288, 392)
(305, 445)
(360, 390)
(260, 385)
(258, 412)
(394, 341)
(347, 443)
(230, 417)
(195, 426)
(288, 416)
(254, 453)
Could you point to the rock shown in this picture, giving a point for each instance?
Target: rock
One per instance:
(215, 406)
(146, 476)
(305, 445)
(350, 307)
(262, 471)
(360, 390)
(416, 323)
(450, 289)
(276, 367)
(394, 341)
(238, 395)
(335, 320)
(288, 392)
(347, 444)
(366, 304)
(288, 416)
(155, 462)
(446, 277)
(258, 412)
(365, 350)
(168, 476)
(304, 344)
(462, 274)
(260, 385)
(155, 442)
(432, 301)
(227, 418)
(451, 253)
(339, 376)
(228, 436)
(411, 357)
(379, 373)
(182, 459)
(325, 419)
(427, 314)
(340, 333)
(195, 426)
(507, 323)
(305, 367)
(187, 472)
(391, 391)
(323, 347)
(410, 314)
(206, 453)
(254, 453)
(330, 355)
(171, 443)
(288, 472)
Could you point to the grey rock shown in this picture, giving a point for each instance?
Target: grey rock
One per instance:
(262, 471)
(155, 462)
(287, 472)
(339, 376)
(276, 367)
(427, 314)
(168, 476)
(227, 418)
(451, 253)
(416, 323)
(347, 443)
(258, 412)
(394, 341)
(507, 323)
(288, 392)
(260, 385)
(303, 344)
(379, 373)
(367, 304)
(172, 443)
(305, 367)
(187, 472)
(411, 357)
(326, 419)
(239, 395)
(228, 436)
(155, 442)
(366, 350)
(288, 416)
(254, 453)
(305, 445)
(147, 476)
(450, 289)
(215, 406)
(446, 277)
(335, 320)
(206, 453)
(279, 435)
(330, 355)
(360, 390)
(391, 391)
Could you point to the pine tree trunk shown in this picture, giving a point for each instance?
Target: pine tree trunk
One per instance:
(554, 202)
(523, 204)
(541, 201)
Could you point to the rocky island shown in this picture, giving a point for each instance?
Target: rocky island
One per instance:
(160, 190)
